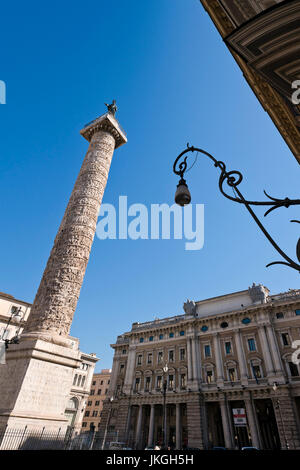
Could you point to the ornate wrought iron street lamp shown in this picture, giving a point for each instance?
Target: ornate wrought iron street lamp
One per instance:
(233, 179)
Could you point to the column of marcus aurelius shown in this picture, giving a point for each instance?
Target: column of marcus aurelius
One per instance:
(35, 382)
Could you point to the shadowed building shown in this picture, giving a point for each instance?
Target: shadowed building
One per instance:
(264, 38)
(231, 380)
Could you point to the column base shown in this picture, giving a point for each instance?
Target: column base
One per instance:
(35, 383)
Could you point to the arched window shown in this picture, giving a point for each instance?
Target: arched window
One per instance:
(72, 404)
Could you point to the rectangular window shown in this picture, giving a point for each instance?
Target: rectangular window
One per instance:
(182, 354)
(84, 424)
(90, 403)
(158, 381)
(160, 357)
(293, 369)
(83, 381)
(140, 358)
(228, 347)
(256, 372)
(97, 403)
(171, 382)
(171, 356)
(95, 413)
(137, 384)
(87, 413)
(280, 315)
(101, 383)
(149, 361)
(75, 379)
(94, 382)
(124, 351)
(106, 390)
(99, 391)
(147, 384)
(297, 312)
(285, 339)
(207, 350)
(121, 367)
(251, 344)
(182, 380)
(231, 374)
(92, 392)
(209, 376)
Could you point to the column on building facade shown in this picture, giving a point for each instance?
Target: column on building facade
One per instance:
(139, 427)
(219, 367)
(114, 376)
(274, 349)
(189, 359)
(195, 423)
(252, 422)
(195, 356)
(129, 370)
(266, 350)
(151, 425)
(178, 426)
(226, 424)
(241, 356)
(128, 421)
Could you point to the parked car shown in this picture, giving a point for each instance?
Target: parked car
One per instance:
(219, 448)
(249, 448)
(118, 446)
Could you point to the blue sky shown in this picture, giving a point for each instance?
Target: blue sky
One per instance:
(174, 82)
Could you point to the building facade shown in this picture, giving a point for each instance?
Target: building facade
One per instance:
(77, 396)
(98, 393)
(231, 380)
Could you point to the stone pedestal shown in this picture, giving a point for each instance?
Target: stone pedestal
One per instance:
(35, 385)
(35, 382)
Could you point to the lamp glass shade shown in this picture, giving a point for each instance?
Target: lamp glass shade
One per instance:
(182, 195)
(18, 316)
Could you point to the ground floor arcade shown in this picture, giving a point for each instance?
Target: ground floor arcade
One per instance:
(232, 419)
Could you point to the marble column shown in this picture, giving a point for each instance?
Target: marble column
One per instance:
(114, 376)
(226, 425)
(217, 353)
(128, 422)
(274, 350)
(129, 370)
(266, 350)
(241, 357)
(178, 426)
(56, 299)
(189, 360)
(252, 422)
(151, 425)
(139, 427)
(37, 378)
(195, 361)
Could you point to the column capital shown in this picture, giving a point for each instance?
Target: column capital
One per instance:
(106, 123)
